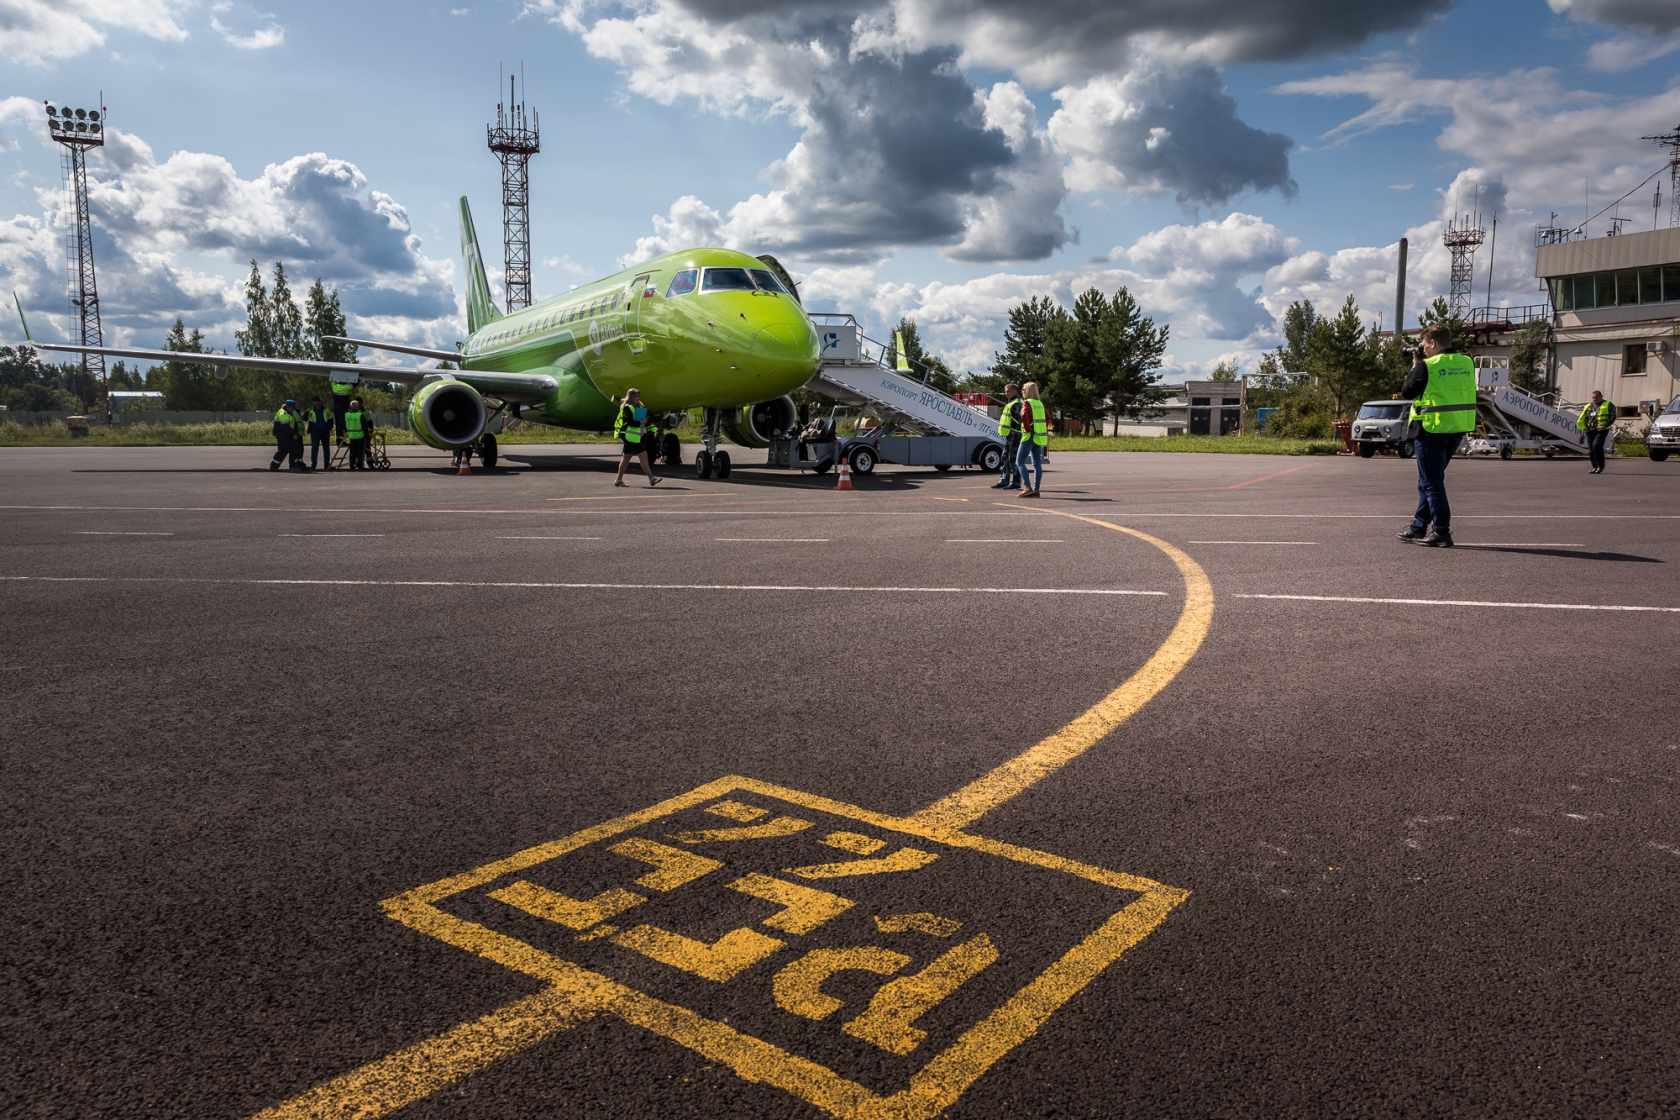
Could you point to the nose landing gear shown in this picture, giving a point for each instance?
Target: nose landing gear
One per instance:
(710, 460)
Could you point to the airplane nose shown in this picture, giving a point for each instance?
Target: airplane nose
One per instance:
(782, 342)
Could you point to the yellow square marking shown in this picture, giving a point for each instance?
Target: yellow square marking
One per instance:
(933, 996)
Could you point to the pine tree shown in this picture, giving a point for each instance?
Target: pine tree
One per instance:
(1528, 357)
(256, 340)
(323, 319)
(1023, 339)
(195, 388)
(285, 320)
(1131, 347)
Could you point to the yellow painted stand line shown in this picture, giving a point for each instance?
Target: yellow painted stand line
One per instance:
(402, 1078)
(969, 803)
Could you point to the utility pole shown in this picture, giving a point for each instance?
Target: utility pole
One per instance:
(1400, 295)
(514, 140)
(78, 130)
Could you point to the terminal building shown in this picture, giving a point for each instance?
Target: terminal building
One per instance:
(1615, 317)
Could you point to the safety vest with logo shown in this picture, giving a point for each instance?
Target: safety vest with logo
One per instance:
(283, 420)
(1009, 422)
(1040, 432)
(353, 424)
(1588, 422)
(343, 388)
(1447, 404)
(628, 427)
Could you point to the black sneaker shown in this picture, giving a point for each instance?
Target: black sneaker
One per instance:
(1409, 535)
(1437, 539)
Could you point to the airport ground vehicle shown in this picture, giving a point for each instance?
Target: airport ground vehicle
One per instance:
(1664, 436)
(853, 434)
(1381, 425)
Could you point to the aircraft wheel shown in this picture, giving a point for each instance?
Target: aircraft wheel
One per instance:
(487, 449)
(670, 449)
(720, 463)
(703, 464)
(1367, 450)
(863, 459)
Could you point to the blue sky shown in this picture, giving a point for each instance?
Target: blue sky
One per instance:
(941, 159)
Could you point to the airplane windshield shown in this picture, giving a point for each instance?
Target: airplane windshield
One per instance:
(767, 280)
(728, 280)
(682, 283)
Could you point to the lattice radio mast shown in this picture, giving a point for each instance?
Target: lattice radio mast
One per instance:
(1671, 141)
(78, 130)
(514, 140)
(1463, 237)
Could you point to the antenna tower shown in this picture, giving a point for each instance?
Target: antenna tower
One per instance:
(1463, 237)
(1671, 141)
(514, 140)
(78, 130)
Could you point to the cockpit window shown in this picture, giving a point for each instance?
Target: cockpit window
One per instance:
(682, 283)
(728, 280)
(767, 281)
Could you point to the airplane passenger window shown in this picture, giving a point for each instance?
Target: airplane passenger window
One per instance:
(727, 280)
(767, 280)
(682, 283)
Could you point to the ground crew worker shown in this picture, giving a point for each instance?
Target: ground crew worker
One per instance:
(1035, 437)
(288, 436)
(1598, 420)
(1442, 389)
(320, 424)
(630, 427)
(1009, 428)
(358, 425)
(342, 391)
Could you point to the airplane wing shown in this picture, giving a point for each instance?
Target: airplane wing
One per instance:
(520, 388)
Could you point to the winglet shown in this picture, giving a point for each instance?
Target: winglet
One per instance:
(898, 345)
(481, 307)
(21, 319)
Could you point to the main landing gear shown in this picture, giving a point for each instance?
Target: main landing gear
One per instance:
(710, 460)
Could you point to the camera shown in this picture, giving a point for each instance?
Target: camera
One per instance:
(1412, 352)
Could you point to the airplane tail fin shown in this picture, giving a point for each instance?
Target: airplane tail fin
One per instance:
(481, 307)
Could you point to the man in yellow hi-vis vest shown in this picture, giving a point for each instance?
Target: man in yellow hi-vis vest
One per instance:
(1009, 430)
(1442, 389)
(1597, 420)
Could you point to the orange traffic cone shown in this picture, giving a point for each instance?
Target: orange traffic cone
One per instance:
(465, 461)
(845, 482)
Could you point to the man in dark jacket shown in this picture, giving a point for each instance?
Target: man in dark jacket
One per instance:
(1009, 427)
(1598, 420)
(1442, 389)
(319, 421)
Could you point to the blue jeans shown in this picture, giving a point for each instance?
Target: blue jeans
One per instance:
(1434, 450)
(1035, 452)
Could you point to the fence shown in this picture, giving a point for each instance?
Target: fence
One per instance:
(129, 417)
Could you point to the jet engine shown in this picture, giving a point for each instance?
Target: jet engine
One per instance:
(757, 424)
(448, 415)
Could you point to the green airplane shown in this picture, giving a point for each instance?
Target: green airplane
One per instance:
(703, 328)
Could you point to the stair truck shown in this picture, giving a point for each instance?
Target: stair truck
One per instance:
(1507, 420)
(883, 415)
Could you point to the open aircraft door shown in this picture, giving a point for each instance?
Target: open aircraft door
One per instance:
(642, 290)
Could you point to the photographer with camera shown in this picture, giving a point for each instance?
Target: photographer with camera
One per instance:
(1442, 389)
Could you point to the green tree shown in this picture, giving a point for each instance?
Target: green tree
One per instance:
(1225, 371)
(1131, 347)
(324, 319)
(1339, 358)
(257, 339)
(1299, 322)
(1528, 357)
(1070, 370)
(30, 385)
(1023, 340)
(194, 388)
(1439, 312)
(923, 366)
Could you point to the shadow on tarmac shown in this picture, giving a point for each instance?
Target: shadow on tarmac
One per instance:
(1571, 553)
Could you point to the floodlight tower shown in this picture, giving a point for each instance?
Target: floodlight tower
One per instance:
(1671, 141)
(1463, 237)
(514, 140)
(78, 130)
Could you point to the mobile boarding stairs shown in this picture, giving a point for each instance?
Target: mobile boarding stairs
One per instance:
(918, 424)
(1511, 420)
